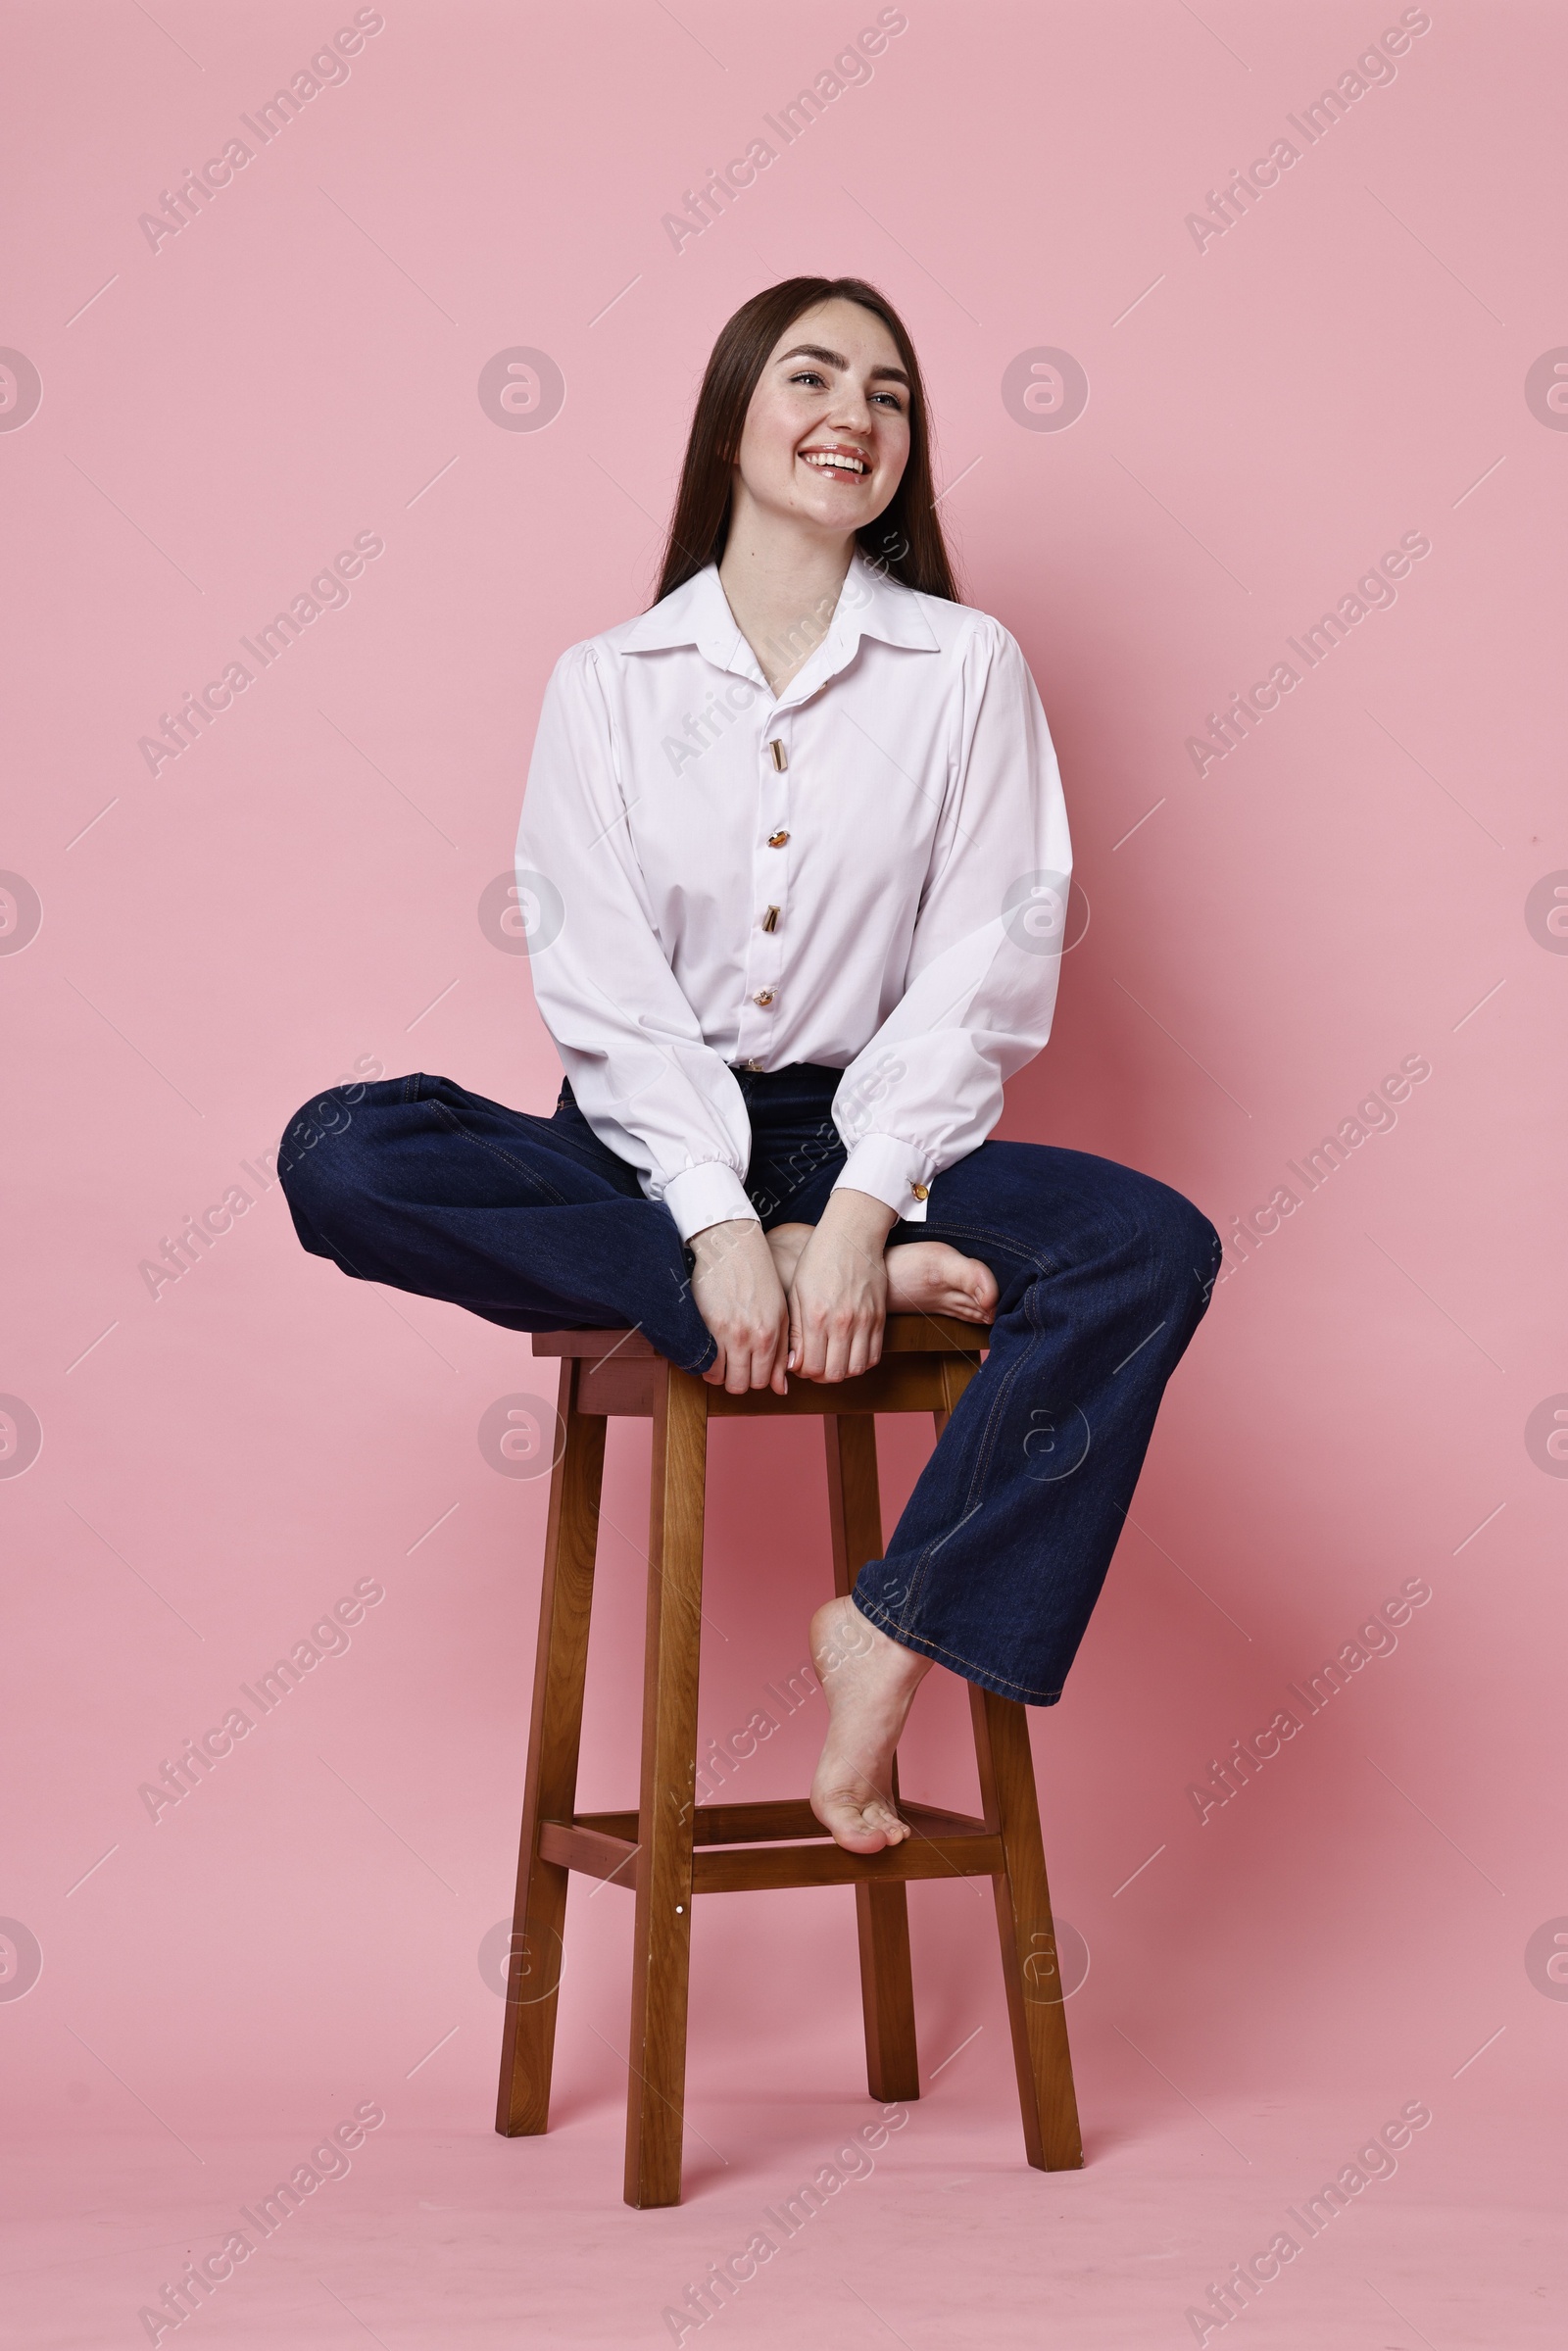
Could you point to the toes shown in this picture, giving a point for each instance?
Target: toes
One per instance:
(980, 1291)
(879, 1820)
(856, 1834)
(860, 1824)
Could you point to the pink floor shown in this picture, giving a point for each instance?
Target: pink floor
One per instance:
(942, 2238)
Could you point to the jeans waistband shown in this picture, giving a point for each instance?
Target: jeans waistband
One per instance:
(811, 1084)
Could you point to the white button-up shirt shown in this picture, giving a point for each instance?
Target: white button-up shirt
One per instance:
(867, 870)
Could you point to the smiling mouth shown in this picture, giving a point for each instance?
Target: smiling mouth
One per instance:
(837, 464)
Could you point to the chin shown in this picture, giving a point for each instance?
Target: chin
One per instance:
(830, 508)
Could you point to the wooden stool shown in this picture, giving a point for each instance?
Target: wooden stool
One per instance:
(672, 1848)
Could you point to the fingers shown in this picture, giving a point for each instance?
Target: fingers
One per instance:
(788, 1349)
(838, 1302)
(736, 1288)
(741, 1372)
(731, 1370)
(849, 1350)
(754, 1354)
(863, 1347)
(832, 1344)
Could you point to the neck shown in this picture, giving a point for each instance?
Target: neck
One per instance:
(782, 584)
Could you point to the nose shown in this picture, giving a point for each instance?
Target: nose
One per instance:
(852, 412)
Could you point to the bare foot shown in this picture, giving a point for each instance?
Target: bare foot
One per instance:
(924, 1277)
(927, 1277)
(868, 1682)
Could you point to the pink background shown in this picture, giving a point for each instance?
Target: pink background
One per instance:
(295, 898)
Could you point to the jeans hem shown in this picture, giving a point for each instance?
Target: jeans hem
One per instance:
(998, 1684)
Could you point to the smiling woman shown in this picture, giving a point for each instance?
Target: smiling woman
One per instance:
(777, 424)
(787, 991)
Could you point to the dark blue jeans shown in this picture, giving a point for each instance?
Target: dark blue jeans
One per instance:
(1103, 1276)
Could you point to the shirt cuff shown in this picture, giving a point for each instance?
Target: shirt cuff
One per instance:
(891, 1171)
(709, 1194)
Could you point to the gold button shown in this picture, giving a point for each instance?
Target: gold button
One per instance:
(921, 1191)
(776, 840)
(770, 918)
(781, 756)
(751, 1064)
(765, 997)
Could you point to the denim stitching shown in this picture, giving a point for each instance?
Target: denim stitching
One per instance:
(1004, 1244)
(965, 1665)
(445, 1110)
(985, 1443)
(499, 1152)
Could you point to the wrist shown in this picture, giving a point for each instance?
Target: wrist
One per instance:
(860, 1214)
(715, 1239)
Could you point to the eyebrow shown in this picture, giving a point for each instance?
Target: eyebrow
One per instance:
(836, 358)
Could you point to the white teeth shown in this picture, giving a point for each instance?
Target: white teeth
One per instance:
(825, 462)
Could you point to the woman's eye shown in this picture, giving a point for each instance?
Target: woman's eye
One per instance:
(807, 375)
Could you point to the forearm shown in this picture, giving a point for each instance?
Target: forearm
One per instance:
(854, 1216)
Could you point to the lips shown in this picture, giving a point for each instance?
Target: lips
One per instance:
(839, 464)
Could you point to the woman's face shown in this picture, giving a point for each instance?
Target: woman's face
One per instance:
(827, 434)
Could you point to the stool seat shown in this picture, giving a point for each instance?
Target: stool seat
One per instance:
(672, 1848)
(927, 1361)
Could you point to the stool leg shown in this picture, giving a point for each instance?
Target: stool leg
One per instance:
(539, 1918)
(1029, 1966)
(661, 1935)
(882, 1910)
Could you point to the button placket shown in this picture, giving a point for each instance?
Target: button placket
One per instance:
(764, 960)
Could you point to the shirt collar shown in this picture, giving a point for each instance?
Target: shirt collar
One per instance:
(870, 605)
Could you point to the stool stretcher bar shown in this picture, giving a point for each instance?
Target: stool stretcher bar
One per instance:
(735, 1856)
(669, 1848)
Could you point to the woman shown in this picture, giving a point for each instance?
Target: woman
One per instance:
(795, 862)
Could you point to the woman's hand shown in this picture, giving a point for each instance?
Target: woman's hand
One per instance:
(839, 1297)
(740, 1297)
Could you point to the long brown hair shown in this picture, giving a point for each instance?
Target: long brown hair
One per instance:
(905, 540)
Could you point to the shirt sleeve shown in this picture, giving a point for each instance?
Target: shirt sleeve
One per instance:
(632, 1046)
(986, 954)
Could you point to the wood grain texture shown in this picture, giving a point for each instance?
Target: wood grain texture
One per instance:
(748, 1869)
(1030, 1970)
(901, 1333)
(756, 1851)
(670, 1848)
(661, 1932)
(619, 1388)
(770, 1821)
(550, 1786)
(882, 1907)
(902, 1383)
(589, 1850)
(905, 1383)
